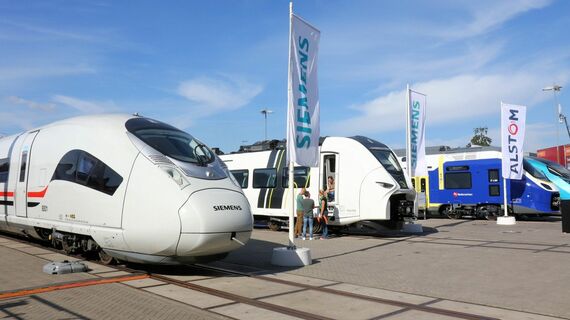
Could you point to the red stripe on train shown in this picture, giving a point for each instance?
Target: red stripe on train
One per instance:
(38, 194)
(6, 194)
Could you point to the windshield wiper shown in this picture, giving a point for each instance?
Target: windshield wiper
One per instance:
(207, 155)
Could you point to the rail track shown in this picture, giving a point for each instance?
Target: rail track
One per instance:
(260, 301)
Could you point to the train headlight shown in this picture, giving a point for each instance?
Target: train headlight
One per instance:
(385, 185)
(175, 175)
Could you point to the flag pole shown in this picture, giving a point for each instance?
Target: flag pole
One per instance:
(408, 151)
(505, 196)
(291, 163)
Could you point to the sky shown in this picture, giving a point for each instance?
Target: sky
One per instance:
(209, 67)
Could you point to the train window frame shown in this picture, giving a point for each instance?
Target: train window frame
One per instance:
(494, 190)
(423, 184)
(245, 178)
(493, 179)
(449, 175)
(170, 141)
(271, 182)
(306, 175)
(23, 165)
(106, 181)
(4, 169)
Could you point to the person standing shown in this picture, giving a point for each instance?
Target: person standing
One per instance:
(308, 206)
(330, 188)
(323, 214)
(300, 213)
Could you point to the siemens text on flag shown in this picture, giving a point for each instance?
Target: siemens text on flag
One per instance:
(303, 95)
(513, 119)
(416, 134)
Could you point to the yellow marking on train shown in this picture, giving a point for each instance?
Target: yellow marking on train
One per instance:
(278, 168)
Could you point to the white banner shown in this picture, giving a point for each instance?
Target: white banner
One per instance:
(416, 134)
(513, 119)
(303, 95)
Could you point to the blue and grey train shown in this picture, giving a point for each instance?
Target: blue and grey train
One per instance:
(475, 188)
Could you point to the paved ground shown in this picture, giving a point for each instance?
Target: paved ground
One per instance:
(523, 267)
(477, 267)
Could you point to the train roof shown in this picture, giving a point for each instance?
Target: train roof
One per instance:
(266, 145)
(447, 150)
(117, 120)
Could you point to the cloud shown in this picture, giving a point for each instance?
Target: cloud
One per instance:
(214, 95)
(30, 72)
(31, 104)
(83, 105)
(489, 16)
(449, 100)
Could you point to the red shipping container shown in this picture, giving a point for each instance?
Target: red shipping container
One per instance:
(550, 154)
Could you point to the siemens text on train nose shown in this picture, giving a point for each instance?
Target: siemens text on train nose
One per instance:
(228, 207)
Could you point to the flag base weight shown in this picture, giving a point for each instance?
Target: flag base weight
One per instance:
(506, 221)
(412, 228)
(291, 257)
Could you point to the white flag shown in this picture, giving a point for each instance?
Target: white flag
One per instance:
(416, 134)
(513, 119)
(303, 114)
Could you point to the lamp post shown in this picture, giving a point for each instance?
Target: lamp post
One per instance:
(265, 112)
(556, 88)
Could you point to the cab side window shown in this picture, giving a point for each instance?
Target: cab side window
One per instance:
(81, 167)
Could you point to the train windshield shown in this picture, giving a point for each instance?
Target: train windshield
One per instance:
(556, 169)
(170, 141)
(390, 163)
(387, 159)
(528, 167)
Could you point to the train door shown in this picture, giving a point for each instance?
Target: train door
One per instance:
(330, 170)
(20, 195)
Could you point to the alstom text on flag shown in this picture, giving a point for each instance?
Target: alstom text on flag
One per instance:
(513, 120)
(513, 130)
(303, 119)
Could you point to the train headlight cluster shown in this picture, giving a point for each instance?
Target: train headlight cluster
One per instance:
(175, 175)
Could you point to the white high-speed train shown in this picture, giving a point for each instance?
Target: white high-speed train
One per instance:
(370, 185)
(123, 186)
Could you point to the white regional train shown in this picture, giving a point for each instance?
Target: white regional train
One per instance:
(126, 187)
(369, 182)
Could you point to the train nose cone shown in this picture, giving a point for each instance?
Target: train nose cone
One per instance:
(214, 221)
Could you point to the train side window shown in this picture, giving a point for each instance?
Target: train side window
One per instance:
(104, 179)
(4, 168)
(300, 177)
(85, 165)
(493, 175)
(264, 178)
(242, 177)
(67, 167)
(23, 167)
(414, 183)
(82, 168)
(494, 190)
(458, 180)
(423, 185)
